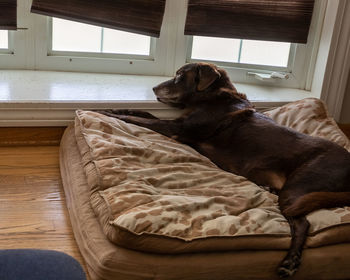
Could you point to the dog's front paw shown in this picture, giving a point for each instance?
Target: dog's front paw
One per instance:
(288, 266)
(269, 189)
(127, 112)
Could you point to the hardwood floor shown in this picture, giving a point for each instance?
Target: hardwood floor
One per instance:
(33, 213)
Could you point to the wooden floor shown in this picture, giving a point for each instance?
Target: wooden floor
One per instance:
(33, 213)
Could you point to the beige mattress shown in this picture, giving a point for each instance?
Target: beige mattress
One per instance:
(103, 237)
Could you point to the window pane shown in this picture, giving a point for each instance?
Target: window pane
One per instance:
(115, 41)
(216, 49)
(3, 39)
(79, 37)
(265, 53)
(74, 36)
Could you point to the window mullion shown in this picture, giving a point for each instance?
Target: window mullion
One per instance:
(102, 38)
(240, 50)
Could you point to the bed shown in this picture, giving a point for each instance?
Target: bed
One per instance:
(143, 206)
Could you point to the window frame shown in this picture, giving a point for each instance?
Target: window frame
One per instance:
(46, 59)
(52, 52)
(301, 62)
(162, 64)
(15, 56)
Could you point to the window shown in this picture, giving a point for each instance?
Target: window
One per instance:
(237, 51)
(69, 36)
(3, 39)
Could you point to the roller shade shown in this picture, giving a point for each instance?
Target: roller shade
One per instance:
(269, 20)
(8, 14)
(139, 16)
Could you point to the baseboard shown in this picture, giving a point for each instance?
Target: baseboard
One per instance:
(30, 136)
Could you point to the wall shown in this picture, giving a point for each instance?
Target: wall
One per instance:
(345, 112)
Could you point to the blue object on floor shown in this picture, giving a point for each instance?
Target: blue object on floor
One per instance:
(32, 264)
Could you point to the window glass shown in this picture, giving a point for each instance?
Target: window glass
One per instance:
(241, 51)
(265, 53)
(215, 49)
(4, 39)
(115, 41)
(74, 36)
(79, 37)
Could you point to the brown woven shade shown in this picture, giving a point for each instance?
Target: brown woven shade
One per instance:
(139, 16)
(8, 14)
(270, 20)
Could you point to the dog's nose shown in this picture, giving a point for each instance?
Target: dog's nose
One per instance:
(154, 89)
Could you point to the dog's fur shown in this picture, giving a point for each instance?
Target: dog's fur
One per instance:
(308, 173)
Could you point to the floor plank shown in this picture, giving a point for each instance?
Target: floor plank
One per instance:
(33, 213)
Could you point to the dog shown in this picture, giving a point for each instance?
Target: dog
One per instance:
(308, 173)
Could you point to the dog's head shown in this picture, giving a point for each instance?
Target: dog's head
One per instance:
(192, 83)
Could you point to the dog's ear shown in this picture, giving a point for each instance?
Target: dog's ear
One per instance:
(206, 76)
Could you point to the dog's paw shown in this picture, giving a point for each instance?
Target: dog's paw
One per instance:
(284, 272)
(270, 189)
(265, 188)
(288, 266)
(126, 112)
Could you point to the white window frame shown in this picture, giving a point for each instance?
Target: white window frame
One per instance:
(31, 49)
(15, 57)
(161, 63)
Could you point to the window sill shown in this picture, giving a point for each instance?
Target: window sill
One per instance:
(47, 98)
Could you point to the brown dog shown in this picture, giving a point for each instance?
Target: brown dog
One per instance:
(308, 173)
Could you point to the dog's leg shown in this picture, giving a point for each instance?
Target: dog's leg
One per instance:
(126, 112)
(299, 228)
(171, 128)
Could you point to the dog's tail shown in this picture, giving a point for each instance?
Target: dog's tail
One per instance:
(316, 200)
